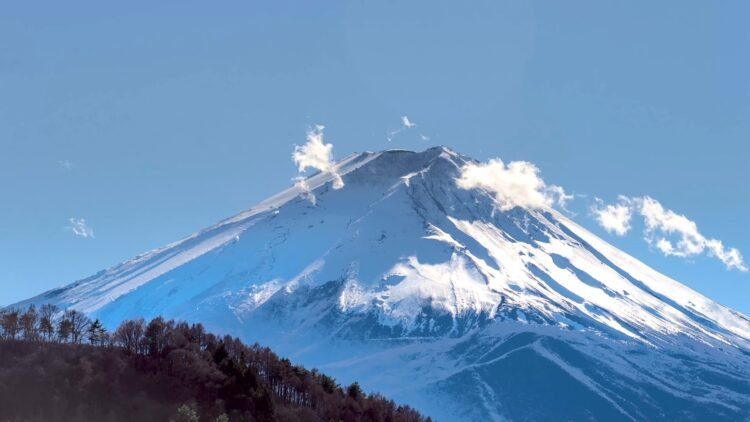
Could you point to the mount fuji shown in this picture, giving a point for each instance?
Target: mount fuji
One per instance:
(431, 295)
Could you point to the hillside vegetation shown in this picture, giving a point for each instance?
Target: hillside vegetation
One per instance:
(62, 366)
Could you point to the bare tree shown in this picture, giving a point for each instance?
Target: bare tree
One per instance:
(156, 336)
(64, 329)
(10, 323)
(78, 324)
(130, 334)
(47, 314)
(28, 323)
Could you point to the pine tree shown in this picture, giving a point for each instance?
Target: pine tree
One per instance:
(96, 332)
(354, 391)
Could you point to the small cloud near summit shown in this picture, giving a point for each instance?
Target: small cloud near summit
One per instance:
(314, 153)
(318, 155)
(406, 124)
(517, 184)
(79, 228)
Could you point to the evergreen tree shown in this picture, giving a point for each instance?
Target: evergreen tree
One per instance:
(354, 391)
(96, 332)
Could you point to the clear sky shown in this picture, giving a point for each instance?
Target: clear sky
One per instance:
(151, 120)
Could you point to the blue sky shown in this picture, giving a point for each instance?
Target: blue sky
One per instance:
(153, 121)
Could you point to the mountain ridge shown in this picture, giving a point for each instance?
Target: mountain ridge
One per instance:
(402, 259)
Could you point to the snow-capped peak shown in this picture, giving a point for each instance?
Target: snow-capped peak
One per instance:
(435, 284)
(401, 239)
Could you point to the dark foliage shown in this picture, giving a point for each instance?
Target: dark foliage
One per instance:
(69, 368)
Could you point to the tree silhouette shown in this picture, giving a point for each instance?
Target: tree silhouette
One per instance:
(28, 323)
(9, 319)
(47, 314)
(96, 333)
(64, 329)
(78, 324)
(163, 370)
(130, 335)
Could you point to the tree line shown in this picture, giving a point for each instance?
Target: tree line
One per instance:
(162, 370)
(48, 323)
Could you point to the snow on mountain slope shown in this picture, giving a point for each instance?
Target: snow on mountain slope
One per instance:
(401, 275)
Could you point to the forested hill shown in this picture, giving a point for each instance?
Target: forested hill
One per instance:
(71, 369)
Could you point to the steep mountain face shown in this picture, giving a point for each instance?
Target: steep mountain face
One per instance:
(429, 294)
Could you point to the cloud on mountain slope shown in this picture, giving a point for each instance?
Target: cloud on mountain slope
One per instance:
(301, 184)
(317, 155)
(671, 233)
(517, 184)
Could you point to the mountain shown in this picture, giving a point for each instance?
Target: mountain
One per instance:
(429, 294)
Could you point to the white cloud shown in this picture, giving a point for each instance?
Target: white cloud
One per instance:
(665, 246)
(301, 184)
(338, 182)
(517, 184)
(317, 155)
(614, 218)
(314, 153)
(79, 228)
(559, 196)
(667, 222)
(406, 123)
(731, 257)
(661, 224)
(66, 164)
(424, 137)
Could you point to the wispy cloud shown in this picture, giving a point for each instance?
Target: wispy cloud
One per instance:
(305, 192)
(558, 195)
(670, 233)
(406, 124)
(318, 155)
(79, 228)
(517, 184)
(66, 164)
